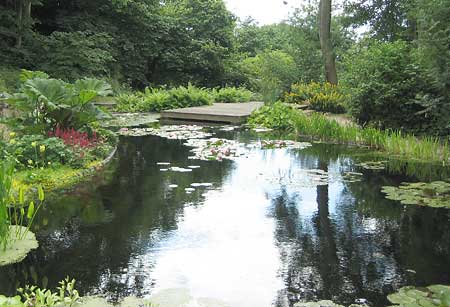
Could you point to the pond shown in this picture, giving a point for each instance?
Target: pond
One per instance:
(269, 228)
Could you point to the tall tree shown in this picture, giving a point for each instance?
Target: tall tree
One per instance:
(325, 41)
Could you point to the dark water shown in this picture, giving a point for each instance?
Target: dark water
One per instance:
(248, 240)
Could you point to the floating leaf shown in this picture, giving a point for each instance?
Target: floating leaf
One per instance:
(434, 194)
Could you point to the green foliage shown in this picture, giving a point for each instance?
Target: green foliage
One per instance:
(11, 301)
(70, 55)
(436, 295)
(384, 83)
(320, 127)
(66, 295)
(52, 102)
(9, 79)
(156, 100)
(27, 151)
(270, 73)
(232, 95)
(16, 207)
(434, 194)
(277, 116)
(6, 172)
(324, 97)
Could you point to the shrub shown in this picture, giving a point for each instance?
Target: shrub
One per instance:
(156, 100)
(387, 88)
(28, 151)
(232, 95)
(270, 73)
(323, 97)
(276, 116)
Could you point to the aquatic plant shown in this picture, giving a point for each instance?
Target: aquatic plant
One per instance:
(66, 295)
(373, 165)
(434, 194)
(317, 126)
(16, 217)
(130, 120)
(436, 295)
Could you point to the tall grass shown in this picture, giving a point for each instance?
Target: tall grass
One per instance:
(322, 128)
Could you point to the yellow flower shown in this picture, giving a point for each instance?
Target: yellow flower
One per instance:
(49, 163)
(12, 134)
(30, 161)
(34, 144)
(42, 148)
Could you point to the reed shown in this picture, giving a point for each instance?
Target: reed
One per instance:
(318, 126)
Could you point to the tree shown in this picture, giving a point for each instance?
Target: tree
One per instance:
(325, 41)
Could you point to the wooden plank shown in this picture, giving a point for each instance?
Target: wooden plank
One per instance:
(234, 113)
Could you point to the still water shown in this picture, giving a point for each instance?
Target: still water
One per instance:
(251, 239)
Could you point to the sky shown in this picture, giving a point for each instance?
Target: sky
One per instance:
(263, 11)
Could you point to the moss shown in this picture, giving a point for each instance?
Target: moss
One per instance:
(19, 248)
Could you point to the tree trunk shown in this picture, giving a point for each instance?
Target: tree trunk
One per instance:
(23, 20)
(19, 24)
(325, 41)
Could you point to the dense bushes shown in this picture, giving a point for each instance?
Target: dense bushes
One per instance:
(324, 97)
(156, 100)
(270, 73)
(388, 90)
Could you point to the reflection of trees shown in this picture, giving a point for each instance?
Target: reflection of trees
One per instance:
(95, 233)
(359, 245)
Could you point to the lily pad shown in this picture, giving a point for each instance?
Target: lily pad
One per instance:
(180, 169)
(432, 296)
(163, 163)
(197, 185)
(215, 149)
(19, 247)
(273, 144)
(131, 120)
(434, 194)
(172, 132)
(373, 165)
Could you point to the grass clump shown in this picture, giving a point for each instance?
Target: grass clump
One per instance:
(282, 117)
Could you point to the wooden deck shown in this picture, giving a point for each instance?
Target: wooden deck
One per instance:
(234, 113)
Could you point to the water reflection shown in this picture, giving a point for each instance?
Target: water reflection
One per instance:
(249, 240)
